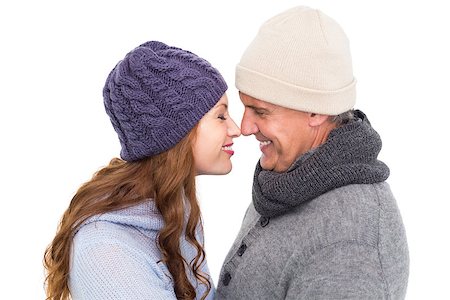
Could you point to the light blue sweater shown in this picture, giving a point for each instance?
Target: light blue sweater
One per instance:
(115, 256)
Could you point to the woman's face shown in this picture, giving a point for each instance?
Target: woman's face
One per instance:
(212, 145)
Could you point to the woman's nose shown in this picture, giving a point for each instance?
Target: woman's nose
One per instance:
(233, 129)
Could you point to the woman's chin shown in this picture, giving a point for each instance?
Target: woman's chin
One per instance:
(218, 170)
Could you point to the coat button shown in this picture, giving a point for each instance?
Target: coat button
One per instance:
(242, 249)
(264, 221)
(226, 279)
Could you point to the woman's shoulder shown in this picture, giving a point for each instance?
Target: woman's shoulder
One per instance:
(123, 240)
(106, 255)
(144, 216)
(135, 228)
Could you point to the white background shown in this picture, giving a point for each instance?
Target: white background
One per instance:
(54, 59)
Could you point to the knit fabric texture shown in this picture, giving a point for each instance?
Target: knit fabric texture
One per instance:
(349, 156)
(115, 256)
(348, 243)
(327, 228)
(300, 59)
(156, 95)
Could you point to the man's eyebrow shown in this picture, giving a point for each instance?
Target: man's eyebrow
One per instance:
(256, 108)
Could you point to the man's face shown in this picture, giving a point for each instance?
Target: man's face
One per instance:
(284, 134)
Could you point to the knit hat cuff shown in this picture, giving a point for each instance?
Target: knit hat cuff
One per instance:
(285, 94)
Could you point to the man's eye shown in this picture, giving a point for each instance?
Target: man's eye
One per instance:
(222, 117)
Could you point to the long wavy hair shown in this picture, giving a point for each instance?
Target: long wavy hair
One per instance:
(167, 178)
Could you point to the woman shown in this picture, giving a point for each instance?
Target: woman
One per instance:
(134, 230)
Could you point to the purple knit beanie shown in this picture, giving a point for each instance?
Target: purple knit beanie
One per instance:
(156, 95)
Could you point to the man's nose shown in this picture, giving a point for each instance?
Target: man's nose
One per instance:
(248, 126)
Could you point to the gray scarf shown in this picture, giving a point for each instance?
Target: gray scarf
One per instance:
(349, 156)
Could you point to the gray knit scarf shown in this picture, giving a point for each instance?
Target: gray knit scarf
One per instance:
(349, 156)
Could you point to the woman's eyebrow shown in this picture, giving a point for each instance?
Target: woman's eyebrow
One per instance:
(223, 104)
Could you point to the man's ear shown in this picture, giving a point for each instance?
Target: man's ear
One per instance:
(317, 119)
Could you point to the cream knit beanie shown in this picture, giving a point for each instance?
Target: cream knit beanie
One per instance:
(300, 59)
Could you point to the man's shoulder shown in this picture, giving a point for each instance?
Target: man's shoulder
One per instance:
(356, 199)
(348, 213)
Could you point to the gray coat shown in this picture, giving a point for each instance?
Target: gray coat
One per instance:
(327, 228)
(348, 243)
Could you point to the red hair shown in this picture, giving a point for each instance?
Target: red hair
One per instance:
(169, 179)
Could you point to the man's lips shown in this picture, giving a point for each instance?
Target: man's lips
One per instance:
(263, 144)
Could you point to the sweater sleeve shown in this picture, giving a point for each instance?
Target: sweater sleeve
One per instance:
(340, 271)
(110, 269)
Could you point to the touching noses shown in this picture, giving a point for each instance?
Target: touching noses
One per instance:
(233, 129)
(248, 127)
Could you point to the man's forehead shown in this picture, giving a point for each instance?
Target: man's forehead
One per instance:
(254, 103)
(248, 100)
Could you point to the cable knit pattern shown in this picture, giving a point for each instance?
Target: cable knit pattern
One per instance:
(156, 95)
(115, 256)
(349, 156)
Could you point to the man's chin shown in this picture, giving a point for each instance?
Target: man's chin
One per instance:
(270, 166)
(265, 164)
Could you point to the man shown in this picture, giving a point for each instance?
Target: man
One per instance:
(323, 223)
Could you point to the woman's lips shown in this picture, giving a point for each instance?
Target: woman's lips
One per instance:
(227, 148)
